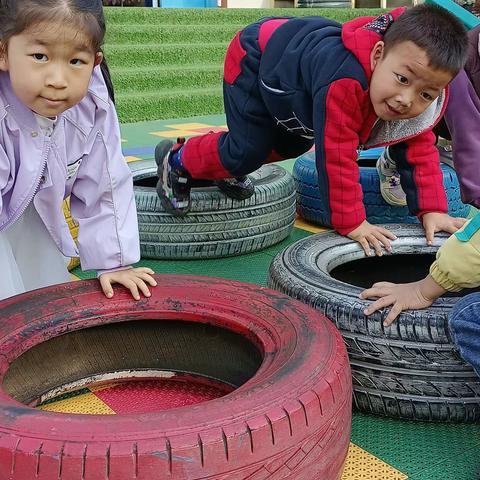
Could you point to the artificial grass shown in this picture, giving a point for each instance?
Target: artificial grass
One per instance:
(185, 103)
(160, 55)
(205, 16)
(136, 34)
(168, 63)
(173, 77)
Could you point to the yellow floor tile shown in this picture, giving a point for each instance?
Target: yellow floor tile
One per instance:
(361, 465)
(299, 223)
(86, 403)
(186, 130)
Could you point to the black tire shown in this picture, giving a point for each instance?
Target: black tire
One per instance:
(217, 226)
(409, 370)
(311, 207)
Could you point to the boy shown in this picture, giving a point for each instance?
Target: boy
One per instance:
(457, 266)
(291, 81)
(461, 124)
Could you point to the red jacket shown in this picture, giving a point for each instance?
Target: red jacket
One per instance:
(328, 96)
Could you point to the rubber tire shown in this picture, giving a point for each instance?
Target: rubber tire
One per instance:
(311, 207)
(291, 420)
(217, 226)
(410, 370)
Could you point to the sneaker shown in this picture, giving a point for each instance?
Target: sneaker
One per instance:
(390, 186)
(173, 187)
(445, 151)
(239, 188)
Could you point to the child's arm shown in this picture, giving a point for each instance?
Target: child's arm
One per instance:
(402, 296)
(135, 279)
(457, 266)
(103, 203)
(368, 235)
(418, 163)
(337, 120)
(463, 120)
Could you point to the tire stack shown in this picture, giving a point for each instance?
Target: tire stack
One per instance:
(324, 4)
(409, 370)
(311, 205)
(217, 226)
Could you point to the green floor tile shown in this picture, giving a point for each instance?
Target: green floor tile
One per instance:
(250, 268)
(139, 136)
(159, 266)
(421, 450)
(297, 234)
(464, 467)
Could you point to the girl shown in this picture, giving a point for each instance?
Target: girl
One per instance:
(59, 136)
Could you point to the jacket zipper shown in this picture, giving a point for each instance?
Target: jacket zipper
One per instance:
(21, 211)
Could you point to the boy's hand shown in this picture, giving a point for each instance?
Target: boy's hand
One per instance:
(403, 296)
(134, 279)
(368, 235)
(440, 222)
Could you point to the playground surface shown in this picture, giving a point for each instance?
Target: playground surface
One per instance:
(381, 449)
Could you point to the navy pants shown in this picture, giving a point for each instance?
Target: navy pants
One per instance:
(253, 137)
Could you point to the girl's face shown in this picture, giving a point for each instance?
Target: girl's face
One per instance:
(50, 67)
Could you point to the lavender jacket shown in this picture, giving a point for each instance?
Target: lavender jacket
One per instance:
(462, 116)
(82, 159)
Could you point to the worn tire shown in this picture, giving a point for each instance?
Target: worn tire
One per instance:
(217, 226)
(311, 206)
(409, 370)
(289, 418)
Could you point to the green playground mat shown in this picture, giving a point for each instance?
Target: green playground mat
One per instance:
(420, 451)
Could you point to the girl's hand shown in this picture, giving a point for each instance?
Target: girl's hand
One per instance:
(403, 296)
(368, 235)
(440, 222)
(134, 279)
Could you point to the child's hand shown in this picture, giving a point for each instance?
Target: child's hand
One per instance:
(440, 222)
(368, 235)
(134, 279)
(403, 296)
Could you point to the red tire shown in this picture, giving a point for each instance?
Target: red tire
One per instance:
(290, 420)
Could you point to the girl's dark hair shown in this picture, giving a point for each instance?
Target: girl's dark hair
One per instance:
(436, 31)
(18, 15)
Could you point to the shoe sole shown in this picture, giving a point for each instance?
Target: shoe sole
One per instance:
(161, 151)
(234, 192)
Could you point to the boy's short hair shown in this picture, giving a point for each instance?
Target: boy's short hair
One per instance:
(436, 31)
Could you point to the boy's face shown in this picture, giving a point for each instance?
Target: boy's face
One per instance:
(403, 84)
(50, 67)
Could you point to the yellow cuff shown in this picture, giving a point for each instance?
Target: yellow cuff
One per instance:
(442, 278)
